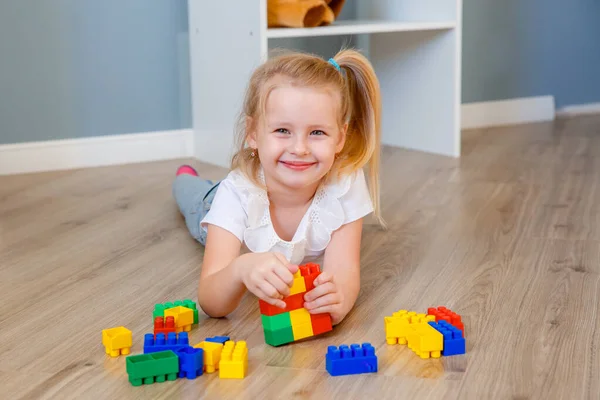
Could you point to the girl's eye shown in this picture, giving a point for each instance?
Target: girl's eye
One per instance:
(281, 130)
(318, 133)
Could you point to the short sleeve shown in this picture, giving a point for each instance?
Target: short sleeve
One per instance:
(227, 211)
(356, 202)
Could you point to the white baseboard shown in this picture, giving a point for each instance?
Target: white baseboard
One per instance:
(507, 112)
(578, 109)
(99, 151)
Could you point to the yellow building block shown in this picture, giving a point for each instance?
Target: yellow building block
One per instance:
(184, 318)
(234, 360)
(425, 340)
(302, 331)
(212, 355)
(397, 326)
(300, 316)
(301, 323)
(117, 341)
(299, 285)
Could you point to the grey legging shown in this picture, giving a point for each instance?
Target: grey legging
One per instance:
(194, 197)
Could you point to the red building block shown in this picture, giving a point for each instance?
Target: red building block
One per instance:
(310, 271)
(321, 323)
(292, 302)
(444, 314)
(161, 327)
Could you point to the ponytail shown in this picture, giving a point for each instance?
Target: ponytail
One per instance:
(363, 106)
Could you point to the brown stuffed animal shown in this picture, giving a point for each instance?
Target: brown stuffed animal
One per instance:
(303, 13)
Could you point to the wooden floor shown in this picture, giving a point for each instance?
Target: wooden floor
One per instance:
(508, 236)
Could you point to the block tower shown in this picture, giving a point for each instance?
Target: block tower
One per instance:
(294, 322)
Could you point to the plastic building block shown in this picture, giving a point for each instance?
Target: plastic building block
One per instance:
(398, 326)
(444, 314)
(292, 302)
(162, 326)
(212, 355)
(234, 360)
(172, 342)
(310, 271)
(321, 323)
(454, 342)
(294, 322)
(191, 362)
(300, 316)
(149, 368)
(355, 359)
(299, 285)
(302, 331)
(425, 341)
(184, 318)
(280, 336)
(301, 323)
(218, 339)
(276, 322)
(117, 341)
(159, 309)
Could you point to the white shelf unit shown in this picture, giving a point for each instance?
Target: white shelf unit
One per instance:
(414, 45)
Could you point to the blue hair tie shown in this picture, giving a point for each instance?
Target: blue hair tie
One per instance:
(336, 65)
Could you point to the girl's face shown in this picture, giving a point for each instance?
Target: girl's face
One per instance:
(300, 137)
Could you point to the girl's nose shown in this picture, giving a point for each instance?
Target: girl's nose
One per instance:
(300, 146)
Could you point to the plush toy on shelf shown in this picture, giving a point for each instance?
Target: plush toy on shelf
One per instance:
(302, 13)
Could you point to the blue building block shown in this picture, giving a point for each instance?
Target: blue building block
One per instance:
(172, 342)
(191, 362)
(454, 342)
(218, 339)
(355, 359)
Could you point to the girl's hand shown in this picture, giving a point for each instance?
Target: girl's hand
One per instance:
(268, 275)
(325, 298)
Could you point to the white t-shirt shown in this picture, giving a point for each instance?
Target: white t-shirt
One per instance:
(242, 208)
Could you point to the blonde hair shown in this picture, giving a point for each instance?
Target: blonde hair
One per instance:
(360, 107)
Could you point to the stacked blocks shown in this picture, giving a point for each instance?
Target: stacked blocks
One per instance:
(454, 342)
(355, 359)
(294, 322)
(400, 325)
(425, 341)
(167, 351)
(171, 342)
(164, 327)
(183, 316)
(435, 334)
(117, 341)
(159, 309)
(191, 362)
(149, 368)
(234, 360)
(444, 314)
(212, 355)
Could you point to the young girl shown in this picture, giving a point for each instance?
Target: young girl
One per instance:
(296, 190)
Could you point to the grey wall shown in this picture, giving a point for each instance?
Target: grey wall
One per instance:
(77, 68)
(520, 48)
(74, 68)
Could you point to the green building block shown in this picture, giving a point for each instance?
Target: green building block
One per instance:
(279, 336)
(159, 309)
(276, 322)
(153, 367)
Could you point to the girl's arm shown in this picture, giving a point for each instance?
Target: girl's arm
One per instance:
(226, 274)
(219, 289)
(340, 281)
